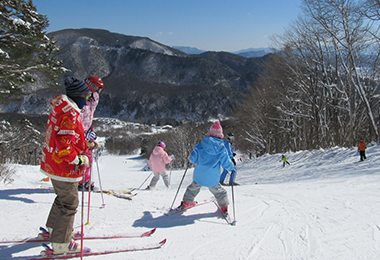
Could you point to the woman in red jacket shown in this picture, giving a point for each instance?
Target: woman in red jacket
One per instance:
(63, 160)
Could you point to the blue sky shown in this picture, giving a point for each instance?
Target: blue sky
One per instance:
(212, 25)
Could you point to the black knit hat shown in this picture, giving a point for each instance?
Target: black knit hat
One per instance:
(75, 87)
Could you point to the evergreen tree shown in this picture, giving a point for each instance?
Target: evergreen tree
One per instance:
(25, 49)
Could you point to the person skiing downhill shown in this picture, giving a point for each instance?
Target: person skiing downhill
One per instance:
(95, 85)
(63, 160)
(284, 160)
(157, 160)
(231, 154)
(208, 156)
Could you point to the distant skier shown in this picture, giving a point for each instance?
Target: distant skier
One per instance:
(158, 160)
(361, 148)
(284, 160)
(231, 154)
(208, 156)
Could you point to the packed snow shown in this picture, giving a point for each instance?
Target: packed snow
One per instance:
(324, 205)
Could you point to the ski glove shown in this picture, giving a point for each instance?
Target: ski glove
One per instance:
(81, 160)
(92, 145)
(172, 156)
(233, 161)
(91, 135)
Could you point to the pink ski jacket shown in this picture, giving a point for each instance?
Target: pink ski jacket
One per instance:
(87, 114)
(158, 159)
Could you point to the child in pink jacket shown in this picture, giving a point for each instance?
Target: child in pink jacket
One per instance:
(95, 85)
(157, 160)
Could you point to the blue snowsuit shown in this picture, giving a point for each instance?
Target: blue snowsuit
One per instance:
(230, 151)
(208, 156)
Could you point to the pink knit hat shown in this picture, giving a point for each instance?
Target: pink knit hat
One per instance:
(216, 130)
(161, 144)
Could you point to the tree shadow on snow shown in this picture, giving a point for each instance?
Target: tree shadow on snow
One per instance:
(11, 194)
(6, 250)
(138, 158)
(148, 221)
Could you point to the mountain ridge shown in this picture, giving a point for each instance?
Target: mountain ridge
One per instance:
(248, 53)
(146, 80)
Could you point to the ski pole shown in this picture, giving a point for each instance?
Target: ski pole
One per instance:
(82, 217)
(171, 167)
(170, 175)
(143, 182)
(183, 177)
(89, 196)
(100, 183)
(233, 200)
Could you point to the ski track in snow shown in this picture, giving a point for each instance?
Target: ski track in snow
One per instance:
(323, 206)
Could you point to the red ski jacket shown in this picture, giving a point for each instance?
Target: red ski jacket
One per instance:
(64, 140)
(362, 146)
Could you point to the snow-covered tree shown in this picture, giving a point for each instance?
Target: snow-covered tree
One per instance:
(25, 48)
(328, 80)
(334, 67)
(18, 141)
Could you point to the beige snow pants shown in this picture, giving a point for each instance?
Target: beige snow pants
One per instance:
(63, 210)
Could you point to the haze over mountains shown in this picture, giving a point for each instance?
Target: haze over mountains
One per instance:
(248, 53)
(146, 80)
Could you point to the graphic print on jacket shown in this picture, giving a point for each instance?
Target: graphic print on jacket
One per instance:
(64, 141)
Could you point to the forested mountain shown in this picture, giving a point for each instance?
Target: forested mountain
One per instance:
(148, 81)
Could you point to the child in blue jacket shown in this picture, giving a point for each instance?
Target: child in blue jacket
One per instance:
(208, 156)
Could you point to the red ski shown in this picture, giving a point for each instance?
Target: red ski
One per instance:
(46, 254)
(145, 234)
(179, 210)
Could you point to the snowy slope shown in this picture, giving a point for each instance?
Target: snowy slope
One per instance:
(325, 205)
